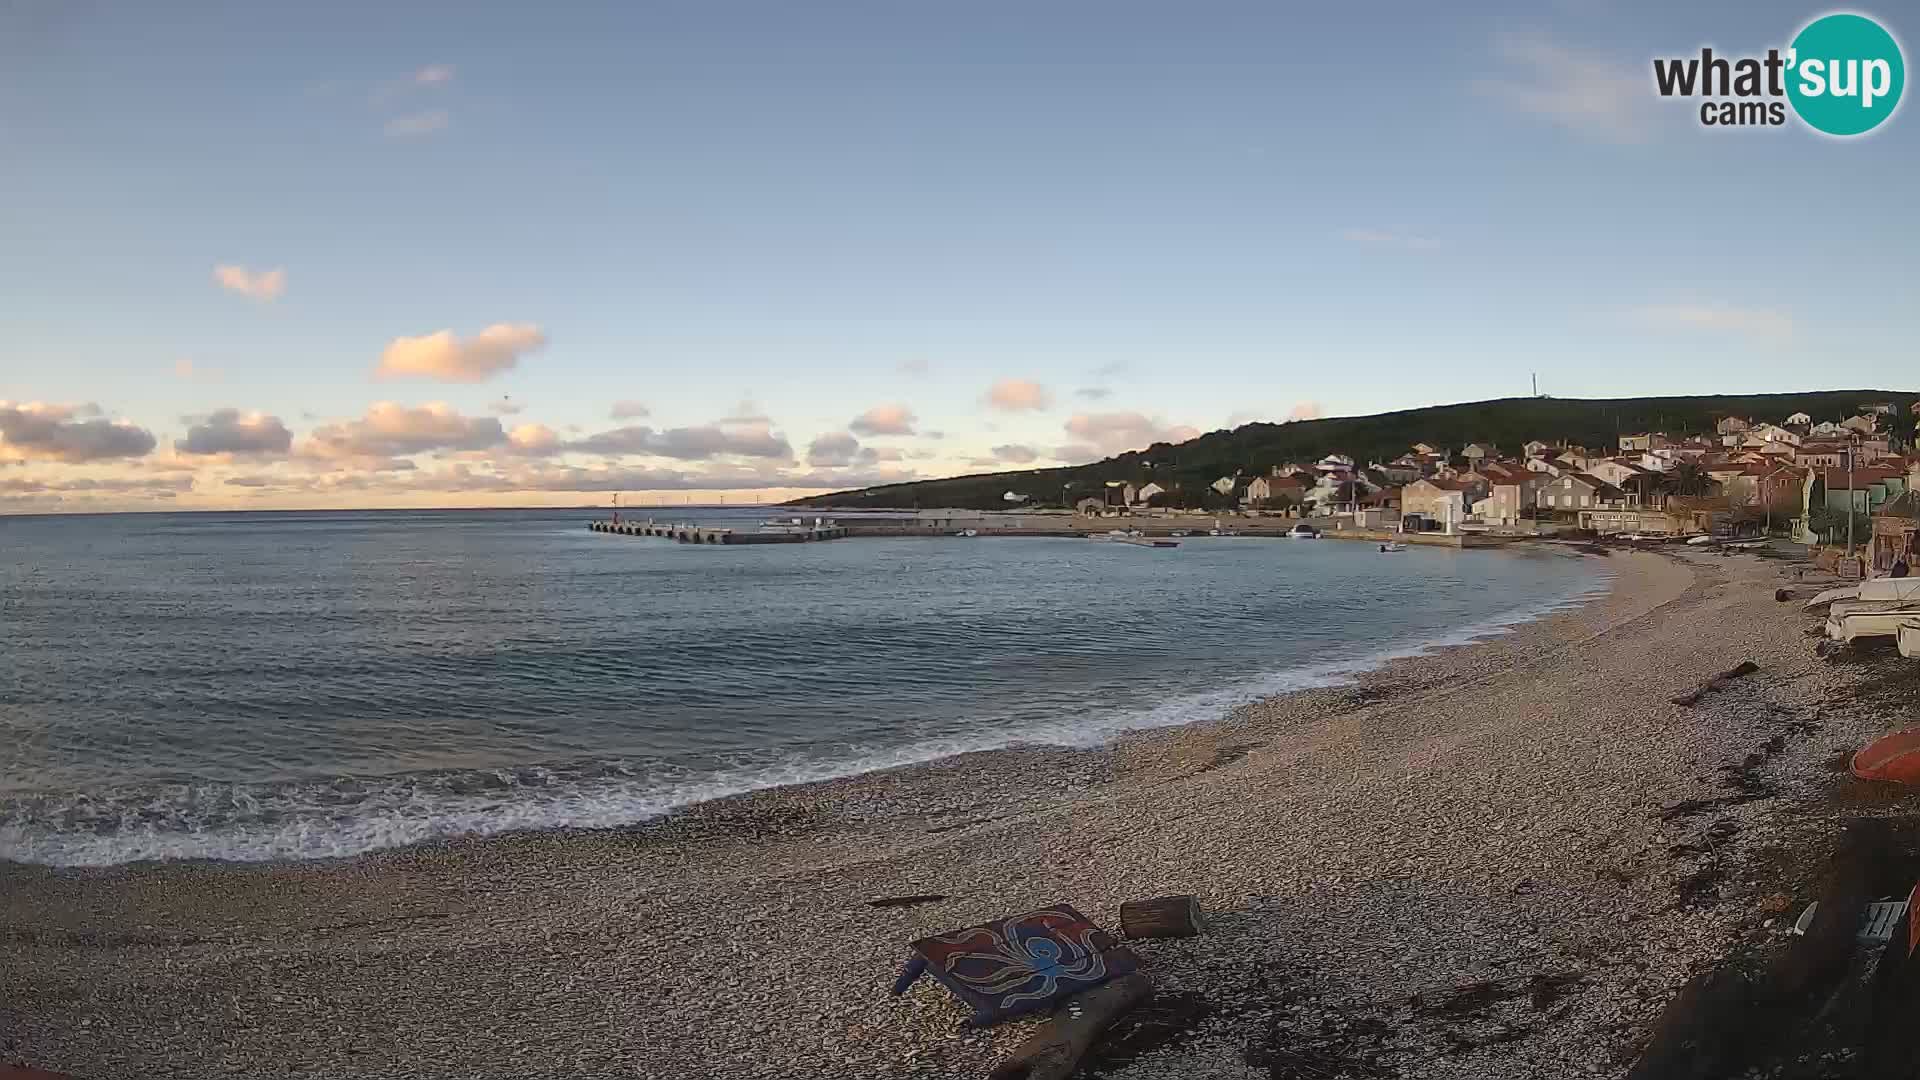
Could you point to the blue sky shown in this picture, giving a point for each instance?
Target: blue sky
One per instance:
(761, 220)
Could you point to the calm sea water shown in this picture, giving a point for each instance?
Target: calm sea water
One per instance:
(261, 686)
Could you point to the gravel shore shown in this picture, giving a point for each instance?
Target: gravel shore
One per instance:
(1505, 815)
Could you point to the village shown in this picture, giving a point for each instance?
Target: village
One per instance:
(1844, 485)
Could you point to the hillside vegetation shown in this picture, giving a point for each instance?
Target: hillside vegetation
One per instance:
(1506, 423)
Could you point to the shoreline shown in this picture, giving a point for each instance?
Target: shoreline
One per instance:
(1477, 811)
(1251, 688)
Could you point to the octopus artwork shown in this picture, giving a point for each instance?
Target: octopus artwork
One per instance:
(1019, 964)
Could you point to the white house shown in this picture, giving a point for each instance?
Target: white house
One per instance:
(1617, 472)
(1762, 434)
(1475, 453)
(1800, 418)
(1255, 492)
(1013, 497)
(1225, 484)
(1535, 449)
(1147, 492)
(1862, 424)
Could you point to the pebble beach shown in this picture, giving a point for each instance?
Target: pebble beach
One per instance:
(1501, 816)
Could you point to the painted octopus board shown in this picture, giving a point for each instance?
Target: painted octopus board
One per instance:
(1020, 964)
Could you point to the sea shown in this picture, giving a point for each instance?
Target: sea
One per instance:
(269, 686)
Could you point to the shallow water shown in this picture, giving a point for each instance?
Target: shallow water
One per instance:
(259, 686)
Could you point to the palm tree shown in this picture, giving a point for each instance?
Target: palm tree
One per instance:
(1690, 479)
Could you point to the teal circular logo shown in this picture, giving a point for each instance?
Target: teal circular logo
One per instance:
(1845, 74)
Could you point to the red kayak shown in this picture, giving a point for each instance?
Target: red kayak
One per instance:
(1895, 757)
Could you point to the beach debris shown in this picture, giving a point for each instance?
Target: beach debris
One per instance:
(1541, 990)
(906, 901)
(1744, 667)
(1019, 964)
(1054, 1049)
(1162, 917)
(1895, 757)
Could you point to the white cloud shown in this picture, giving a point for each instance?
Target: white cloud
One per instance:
(628, 410)
(37, 431)
(1580, 91)
(534, 440)
(443, 357)
(263, 285)
(1758, 324)
(434, 75)
(892, 419)
(391, 430)
(1389, 238)
(1018, 395)
(724, 439)
(1117, 432)
(145, 485)
(835, 449)
(227, 431)
(414, 125)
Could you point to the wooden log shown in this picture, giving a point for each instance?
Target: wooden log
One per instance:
(1745, 667)
(1054, 1049)
(1162, 916)
(1721, 1020)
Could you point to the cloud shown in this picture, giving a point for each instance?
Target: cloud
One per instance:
(183, 369)
(1117, 432)
(390, 430)
(227, 431)
(1579, 91)
(263, 285)
(36, 431)
(1389, 238)
(1077, 453)
(415, 125)
(725, 439)
(1306, 410)
(914, 366)
(893, 419)
(628, 410)
(1018, 395)
(534, 440)
(1017, 454)
(1758, 324)
(434, 75)
(506, 406)
(147, 485)
(1113, 367)
(833, 450)
(443, 357)
(1093, 393)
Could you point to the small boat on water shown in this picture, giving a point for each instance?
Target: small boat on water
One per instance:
(1303, 531)
(1392, 545)
(969, 533)
(1134, 537)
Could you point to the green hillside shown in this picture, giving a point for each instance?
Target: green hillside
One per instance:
(1506, 423)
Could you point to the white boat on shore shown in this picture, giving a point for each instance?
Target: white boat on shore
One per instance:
(1851, 620)
(1907, 637)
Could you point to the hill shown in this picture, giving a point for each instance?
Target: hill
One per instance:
(1506, 423)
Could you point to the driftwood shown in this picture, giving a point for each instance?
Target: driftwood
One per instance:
(1054, 1049)
(907, 901)
(1722, 1018)
(1163, 916)
(1745, 667)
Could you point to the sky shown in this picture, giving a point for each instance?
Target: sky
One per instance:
(370, 254)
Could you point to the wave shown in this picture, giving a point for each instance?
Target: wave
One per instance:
(254, 823)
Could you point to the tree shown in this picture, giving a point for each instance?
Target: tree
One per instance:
(1831, 525)
(1690, 479)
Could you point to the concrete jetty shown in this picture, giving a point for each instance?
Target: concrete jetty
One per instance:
(704, 534)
